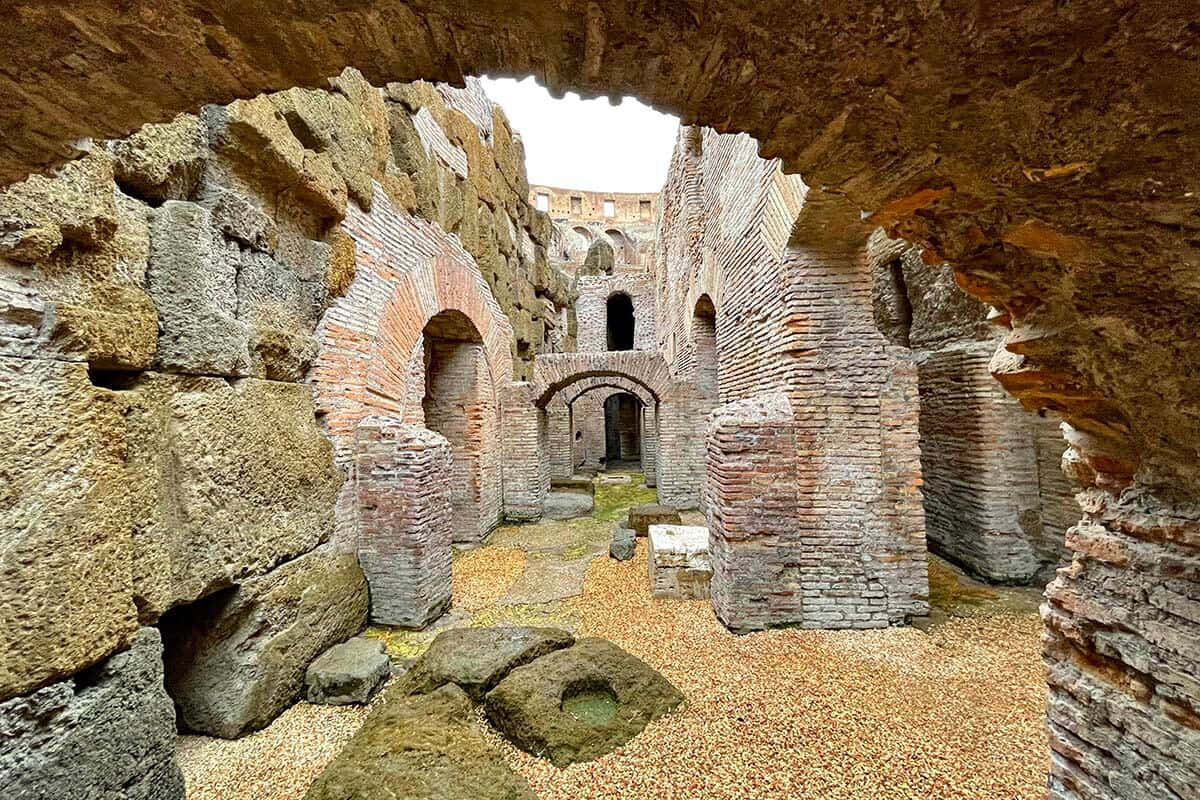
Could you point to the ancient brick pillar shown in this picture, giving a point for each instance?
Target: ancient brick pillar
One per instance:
(525, 462)
(750, 494)
(650, 444)
(679, 463)
(404, 543)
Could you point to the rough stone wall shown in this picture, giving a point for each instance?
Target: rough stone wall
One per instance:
(995, 500)
(792, 296)
(591, 310)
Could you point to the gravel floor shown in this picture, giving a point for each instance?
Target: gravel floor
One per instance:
(957, 712)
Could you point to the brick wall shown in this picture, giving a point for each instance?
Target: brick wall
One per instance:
(591, 310)
(995, 499)
(788, 279)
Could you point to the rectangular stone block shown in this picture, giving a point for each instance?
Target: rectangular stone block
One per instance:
(680, 565)
(226, 481)
(66, 595)
(107, 733)
(405, 520)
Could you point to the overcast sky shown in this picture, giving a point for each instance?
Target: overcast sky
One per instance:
(587, 144)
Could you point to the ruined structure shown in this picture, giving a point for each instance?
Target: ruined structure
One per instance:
(165, 299)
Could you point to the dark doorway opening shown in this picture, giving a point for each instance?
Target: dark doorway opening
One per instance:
(620, 322)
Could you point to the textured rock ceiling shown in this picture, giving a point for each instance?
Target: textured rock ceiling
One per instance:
(1048, 150)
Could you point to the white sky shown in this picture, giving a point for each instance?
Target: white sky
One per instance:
(587, 144)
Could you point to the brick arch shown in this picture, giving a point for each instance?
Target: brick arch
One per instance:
(555, 372)
(577, 390)
(368, 361)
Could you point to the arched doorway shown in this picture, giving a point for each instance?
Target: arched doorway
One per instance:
(622, 429)
(619, 321)
(704, 346)
(459, 403)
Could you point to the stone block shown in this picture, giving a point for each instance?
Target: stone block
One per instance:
(75, 205)
(623, 543)
(107, 733)
(239, 217)
(680, 565)
(192, 279)
(476, 659)
(235, 660)
(161, 161)
(576, 484)
(65, 521)
(567, 505)
(276, 306)
(405, 525)
(350, 672)
(643, 516)
(225, 480)
(424, 747)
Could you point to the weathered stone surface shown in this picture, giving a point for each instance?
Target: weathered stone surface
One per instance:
(225, 482)
(680, 565)
(643, 516)
(257, 133)
(350, 672)
(278, 308)
(420, 748)
(240, 218)
(581, 485)
(65, 549)
(567, 505)
(617, 696)
(162, 161)
(76, 206)
(192, 280)
(623, 542)
(105, 734)
(235, 660)
(476, 659)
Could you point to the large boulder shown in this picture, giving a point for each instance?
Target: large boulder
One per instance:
(226, 481)
(65, 548)
(236, 660)
(643, 516)
(350, 672)
(567, 505)
(579, 703)
(420, 748)
(476, 659)
(105, 734)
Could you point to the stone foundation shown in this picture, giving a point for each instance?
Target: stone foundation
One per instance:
(679, 561)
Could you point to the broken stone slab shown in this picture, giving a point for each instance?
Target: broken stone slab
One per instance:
(579, 703)
(623, 542)
(235, 660)
(643, 516)
(680, 565)
(106, 733)
(573, 484)
(350, 672)
(423, 747)
(616, 480)
(567, 505)
(476, 659)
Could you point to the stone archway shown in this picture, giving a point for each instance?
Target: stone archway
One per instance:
(562, 412)
(1044, 227)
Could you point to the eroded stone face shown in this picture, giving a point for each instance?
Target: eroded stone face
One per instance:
(225, 480)
(238, 659)
(108, 732)
(66, 548)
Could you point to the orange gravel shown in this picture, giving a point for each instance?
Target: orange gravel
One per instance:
(786, 714)
(790, 714)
